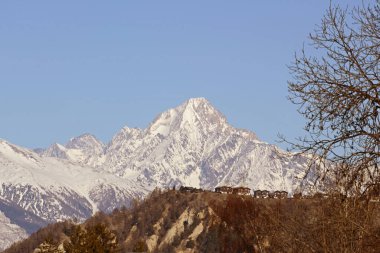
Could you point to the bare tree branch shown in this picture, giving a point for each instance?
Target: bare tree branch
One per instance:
(338, 94)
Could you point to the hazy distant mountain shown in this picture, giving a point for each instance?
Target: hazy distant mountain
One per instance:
(192, 144)
(84, 149)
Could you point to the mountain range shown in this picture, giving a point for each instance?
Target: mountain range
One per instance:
(192, 144)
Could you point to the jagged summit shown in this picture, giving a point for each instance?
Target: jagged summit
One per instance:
(83, 138)
(201, 103)
(191, 144)
(197, 100)
(197, 114)
(55, 150)
(85, 149)
(205, 110)
(85, 142)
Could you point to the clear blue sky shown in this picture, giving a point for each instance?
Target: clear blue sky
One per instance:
(70, 67)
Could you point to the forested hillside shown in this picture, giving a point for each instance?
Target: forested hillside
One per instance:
(171, 221)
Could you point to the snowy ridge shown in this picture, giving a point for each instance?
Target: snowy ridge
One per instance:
(192, 144)
(56, 189)
(84, 149)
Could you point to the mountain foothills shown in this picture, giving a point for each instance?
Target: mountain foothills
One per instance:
(39, 190)
(191, 144)
(172, 221)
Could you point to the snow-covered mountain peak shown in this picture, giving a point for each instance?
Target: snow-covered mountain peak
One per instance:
(196, 114)
(51, 189)
(84, 149)
(56, 150)
(190, 144)
(131, 130)
(196, 101)
(86, 142)
(204, 110)
(124, 135)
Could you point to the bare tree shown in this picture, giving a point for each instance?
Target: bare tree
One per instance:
(337, 90)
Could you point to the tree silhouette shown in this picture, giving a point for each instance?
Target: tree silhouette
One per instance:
(337, 92)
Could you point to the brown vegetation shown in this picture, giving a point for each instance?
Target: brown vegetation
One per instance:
(293, 225)
(171, 221)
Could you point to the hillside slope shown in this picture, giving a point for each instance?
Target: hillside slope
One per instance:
(192, 145)
(36, 191)
(171, 221)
